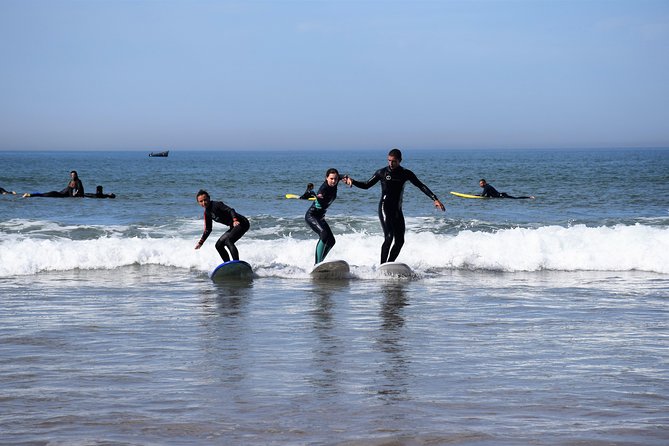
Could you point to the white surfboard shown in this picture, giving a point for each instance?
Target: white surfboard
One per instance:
(335, 269)
(232, 270)
(396, 269)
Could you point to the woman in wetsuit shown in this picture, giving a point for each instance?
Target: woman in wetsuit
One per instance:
(75, 188)
(315, 216)
(222, 213)
(393, 178)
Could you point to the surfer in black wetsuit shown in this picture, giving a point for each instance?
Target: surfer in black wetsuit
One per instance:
(224, 214)
(5, 192)
(99, 193)
(315, 216)
(75, 188)
(491, 192)
(393, 178)
(309, 192)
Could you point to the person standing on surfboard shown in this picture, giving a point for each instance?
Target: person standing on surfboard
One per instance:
(491, 192)
(315, 216)
(224, 214)
(393, 178)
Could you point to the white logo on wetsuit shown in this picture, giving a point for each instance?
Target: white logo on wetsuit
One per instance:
(388, 177)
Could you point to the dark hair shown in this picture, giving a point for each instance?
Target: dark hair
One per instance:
(98, 189)
(482, 179)
(75, 173)
(396, 153)
(310, 186)
(331, 170)
(202, 192)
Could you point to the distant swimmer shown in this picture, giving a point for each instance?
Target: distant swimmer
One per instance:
(3, 191)
(220, 212)
(75, 188)
(99, 193)
(315, 216)
(309, 192)
(491, 192)
(393, 178)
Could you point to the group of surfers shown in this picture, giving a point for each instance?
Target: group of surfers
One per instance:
(392, 177)
(74, 188)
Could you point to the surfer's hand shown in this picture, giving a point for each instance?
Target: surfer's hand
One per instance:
(439, 204)
(198, 246)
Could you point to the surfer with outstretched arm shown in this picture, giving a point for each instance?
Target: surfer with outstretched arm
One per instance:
(315, 216)
(491, 192)
(6, 192)
(393, 178)
(220, 212)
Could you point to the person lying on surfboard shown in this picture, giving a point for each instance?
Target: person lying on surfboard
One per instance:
(99, 193)
(309, 192)
(491, 192)
(392, 178)
(220, 212)
(315, 216)
(5, 192)
(75, 188)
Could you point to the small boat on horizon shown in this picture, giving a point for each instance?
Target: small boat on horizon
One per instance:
(160, 154)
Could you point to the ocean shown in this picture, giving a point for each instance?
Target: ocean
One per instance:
(541, 321)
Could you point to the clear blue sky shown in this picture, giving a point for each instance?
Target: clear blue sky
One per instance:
(145, 75)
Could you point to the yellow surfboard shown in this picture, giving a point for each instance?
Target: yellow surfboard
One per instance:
(297, 196)
(458, 194)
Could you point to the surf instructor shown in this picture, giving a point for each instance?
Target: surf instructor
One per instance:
(393, 178)
(224, 214)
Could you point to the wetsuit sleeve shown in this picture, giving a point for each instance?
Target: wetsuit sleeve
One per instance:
(419, 184)
(207, 227)
(369, 183)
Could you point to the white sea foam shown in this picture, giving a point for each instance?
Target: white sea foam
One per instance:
(578, 248)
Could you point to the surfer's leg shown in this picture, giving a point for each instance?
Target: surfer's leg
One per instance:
(220, 247)
(232, 235)
(325, 237)
(398, 232)
(387, 226)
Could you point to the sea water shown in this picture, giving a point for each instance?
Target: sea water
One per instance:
(540, 321)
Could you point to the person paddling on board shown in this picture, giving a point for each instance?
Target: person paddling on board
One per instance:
(99, 193)
(393, 178)
(309, 192)
(315, 216)
(3, 191)
(220, 212)
(75, 188)
(491, 192)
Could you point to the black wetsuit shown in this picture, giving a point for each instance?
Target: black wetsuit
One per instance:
(390, 206)
(220, 212)
(307, 194)
(315, 218)
(491, 192)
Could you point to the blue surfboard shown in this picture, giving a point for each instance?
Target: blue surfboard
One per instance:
(232, 270)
